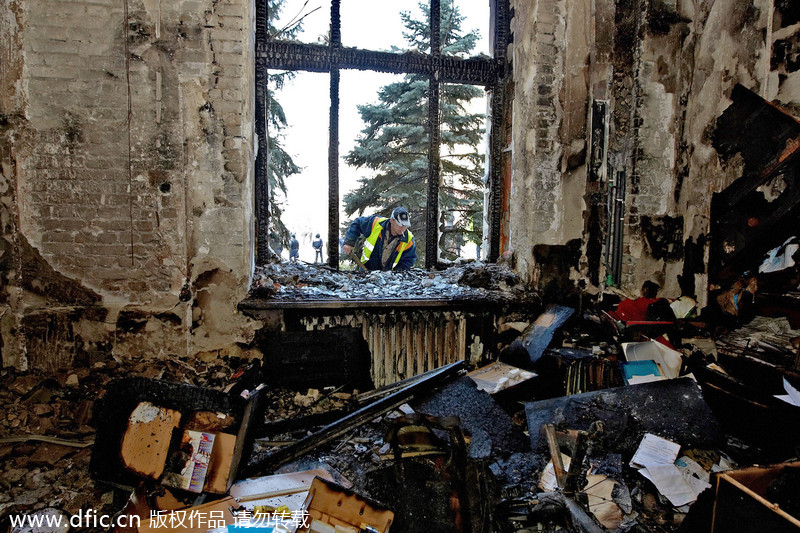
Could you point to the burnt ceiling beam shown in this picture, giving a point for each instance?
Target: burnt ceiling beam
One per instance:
(320, 58)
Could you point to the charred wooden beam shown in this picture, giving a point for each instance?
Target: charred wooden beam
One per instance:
(333, 173)
(434, 137)
(268, 462)
(576, 477)
(499, 103)
(333, 141)
(253, 411)
(320, 58)
(262, 160)
(432, 205)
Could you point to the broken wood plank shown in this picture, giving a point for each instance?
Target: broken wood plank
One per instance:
(574, 477)
(555, 454)
(274, 493)
(372, 395)
(254, 410)
(261, 462)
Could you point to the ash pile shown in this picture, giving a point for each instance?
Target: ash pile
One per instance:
(304, 281)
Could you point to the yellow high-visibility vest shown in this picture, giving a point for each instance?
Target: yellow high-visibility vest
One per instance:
(369, 243)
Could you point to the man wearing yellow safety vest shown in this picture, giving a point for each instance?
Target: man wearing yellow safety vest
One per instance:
(389, 244)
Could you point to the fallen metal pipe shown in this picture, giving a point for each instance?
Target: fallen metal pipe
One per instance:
(269, 462)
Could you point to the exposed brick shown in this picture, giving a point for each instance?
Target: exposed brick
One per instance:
(547, 17)
(544, 30)
(235, 23)
(229, 10)
(229, 47)
(226, 58)
(227, 35)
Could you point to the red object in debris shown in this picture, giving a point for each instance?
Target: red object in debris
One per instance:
(632, 310)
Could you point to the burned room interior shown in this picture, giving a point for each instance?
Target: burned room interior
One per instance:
(622, 352)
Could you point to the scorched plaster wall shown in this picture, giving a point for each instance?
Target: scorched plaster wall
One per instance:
(666, 69)
(126, 184)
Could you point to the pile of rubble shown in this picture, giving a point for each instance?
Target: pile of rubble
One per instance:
(596, 429)
(304, 281)
(47, 433)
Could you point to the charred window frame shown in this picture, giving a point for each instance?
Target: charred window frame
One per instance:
(331, 58)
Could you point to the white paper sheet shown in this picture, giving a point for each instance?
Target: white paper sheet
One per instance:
(690, 467)
(679, 488)
(636, 380)
(655, 450)
(792, 395)
(547, 481)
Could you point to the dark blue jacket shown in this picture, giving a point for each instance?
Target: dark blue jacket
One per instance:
(362, 226)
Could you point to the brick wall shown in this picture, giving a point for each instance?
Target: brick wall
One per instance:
(538, 67)
(130, 156)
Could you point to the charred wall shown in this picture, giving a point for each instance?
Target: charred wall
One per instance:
(665, 70)
(125, 178)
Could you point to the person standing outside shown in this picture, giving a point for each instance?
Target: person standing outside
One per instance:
(294, 249)
(317, 244)
(389, 244)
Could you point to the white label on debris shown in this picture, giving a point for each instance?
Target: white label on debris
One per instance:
(145, 412)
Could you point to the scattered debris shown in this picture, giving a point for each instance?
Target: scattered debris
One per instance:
(499, 376)
(343, 510)
(300, 281)
(444, 451)
(272, 460)
(536, 338)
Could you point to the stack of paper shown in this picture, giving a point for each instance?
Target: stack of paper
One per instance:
(679, 481)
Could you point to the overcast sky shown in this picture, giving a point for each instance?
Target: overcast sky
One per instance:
(368, 24)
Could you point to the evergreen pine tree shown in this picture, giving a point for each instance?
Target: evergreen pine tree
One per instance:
(394, 143)
(281, 165)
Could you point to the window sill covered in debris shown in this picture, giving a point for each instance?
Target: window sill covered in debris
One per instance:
(293, 284)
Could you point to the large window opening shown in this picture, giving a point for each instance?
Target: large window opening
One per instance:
(378, 114)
